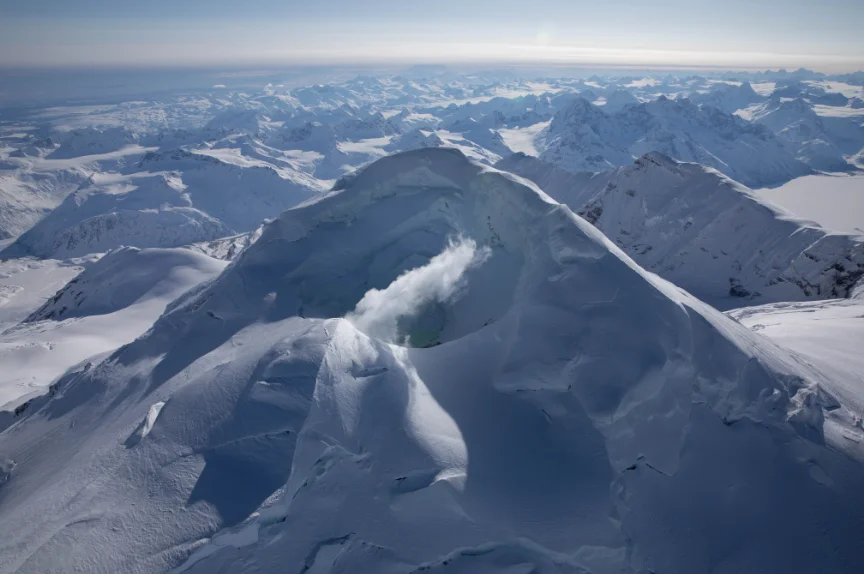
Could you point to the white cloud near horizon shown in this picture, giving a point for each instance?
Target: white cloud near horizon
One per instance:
(674, 33)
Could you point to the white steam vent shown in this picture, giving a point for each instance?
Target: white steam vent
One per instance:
(379, 312)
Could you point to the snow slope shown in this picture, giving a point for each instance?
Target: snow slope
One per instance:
(573, 189)
(824, 143)
(827, 334)
(583, 137)
(227, 248)
(835, 202)
(172, 199)
(728, 97)
(556, 409)
(93, 141)
(24, 200)
(705, 232)
(26, 283)
(112, 302)
(32, 185)
(618, 100)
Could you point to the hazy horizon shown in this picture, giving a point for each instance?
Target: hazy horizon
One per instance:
(676, 33)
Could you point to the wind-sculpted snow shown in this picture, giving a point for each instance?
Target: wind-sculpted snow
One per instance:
(705, 232)
(567, 412)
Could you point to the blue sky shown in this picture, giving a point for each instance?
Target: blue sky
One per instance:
(733, 33)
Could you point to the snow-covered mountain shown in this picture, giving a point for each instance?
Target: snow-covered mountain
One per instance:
(26, 283)
(728, 97)
(705, 232)
(436, 368)
(149, 211)
(27, 198)
(110, 303)
(824, 143)
(39, 148)
(171, 199)
(372, 126)
(245, 121)
(585, 138)
(618, 100)
(32, 183)
(227, 248)
(571, 188)
(476, 142)
(826, 334)
(93, 141)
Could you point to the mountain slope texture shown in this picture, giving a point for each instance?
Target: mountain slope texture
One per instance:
(435, 368)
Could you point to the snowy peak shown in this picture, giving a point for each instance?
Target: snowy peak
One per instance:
(711, 235)
(459, 309)
(656, 158)
(565, 186)
(584, 138)
(122, 278)
(822, 142)
(173, 198)
(728, 97)
(618, 100)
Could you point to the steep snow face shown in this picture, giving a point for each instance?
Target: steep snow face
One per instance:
(821, 142)
(200, 199)
(110, 303)
(827, 334)
(584, 138)
(707, 233)
(558, 410)
(573, 189)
